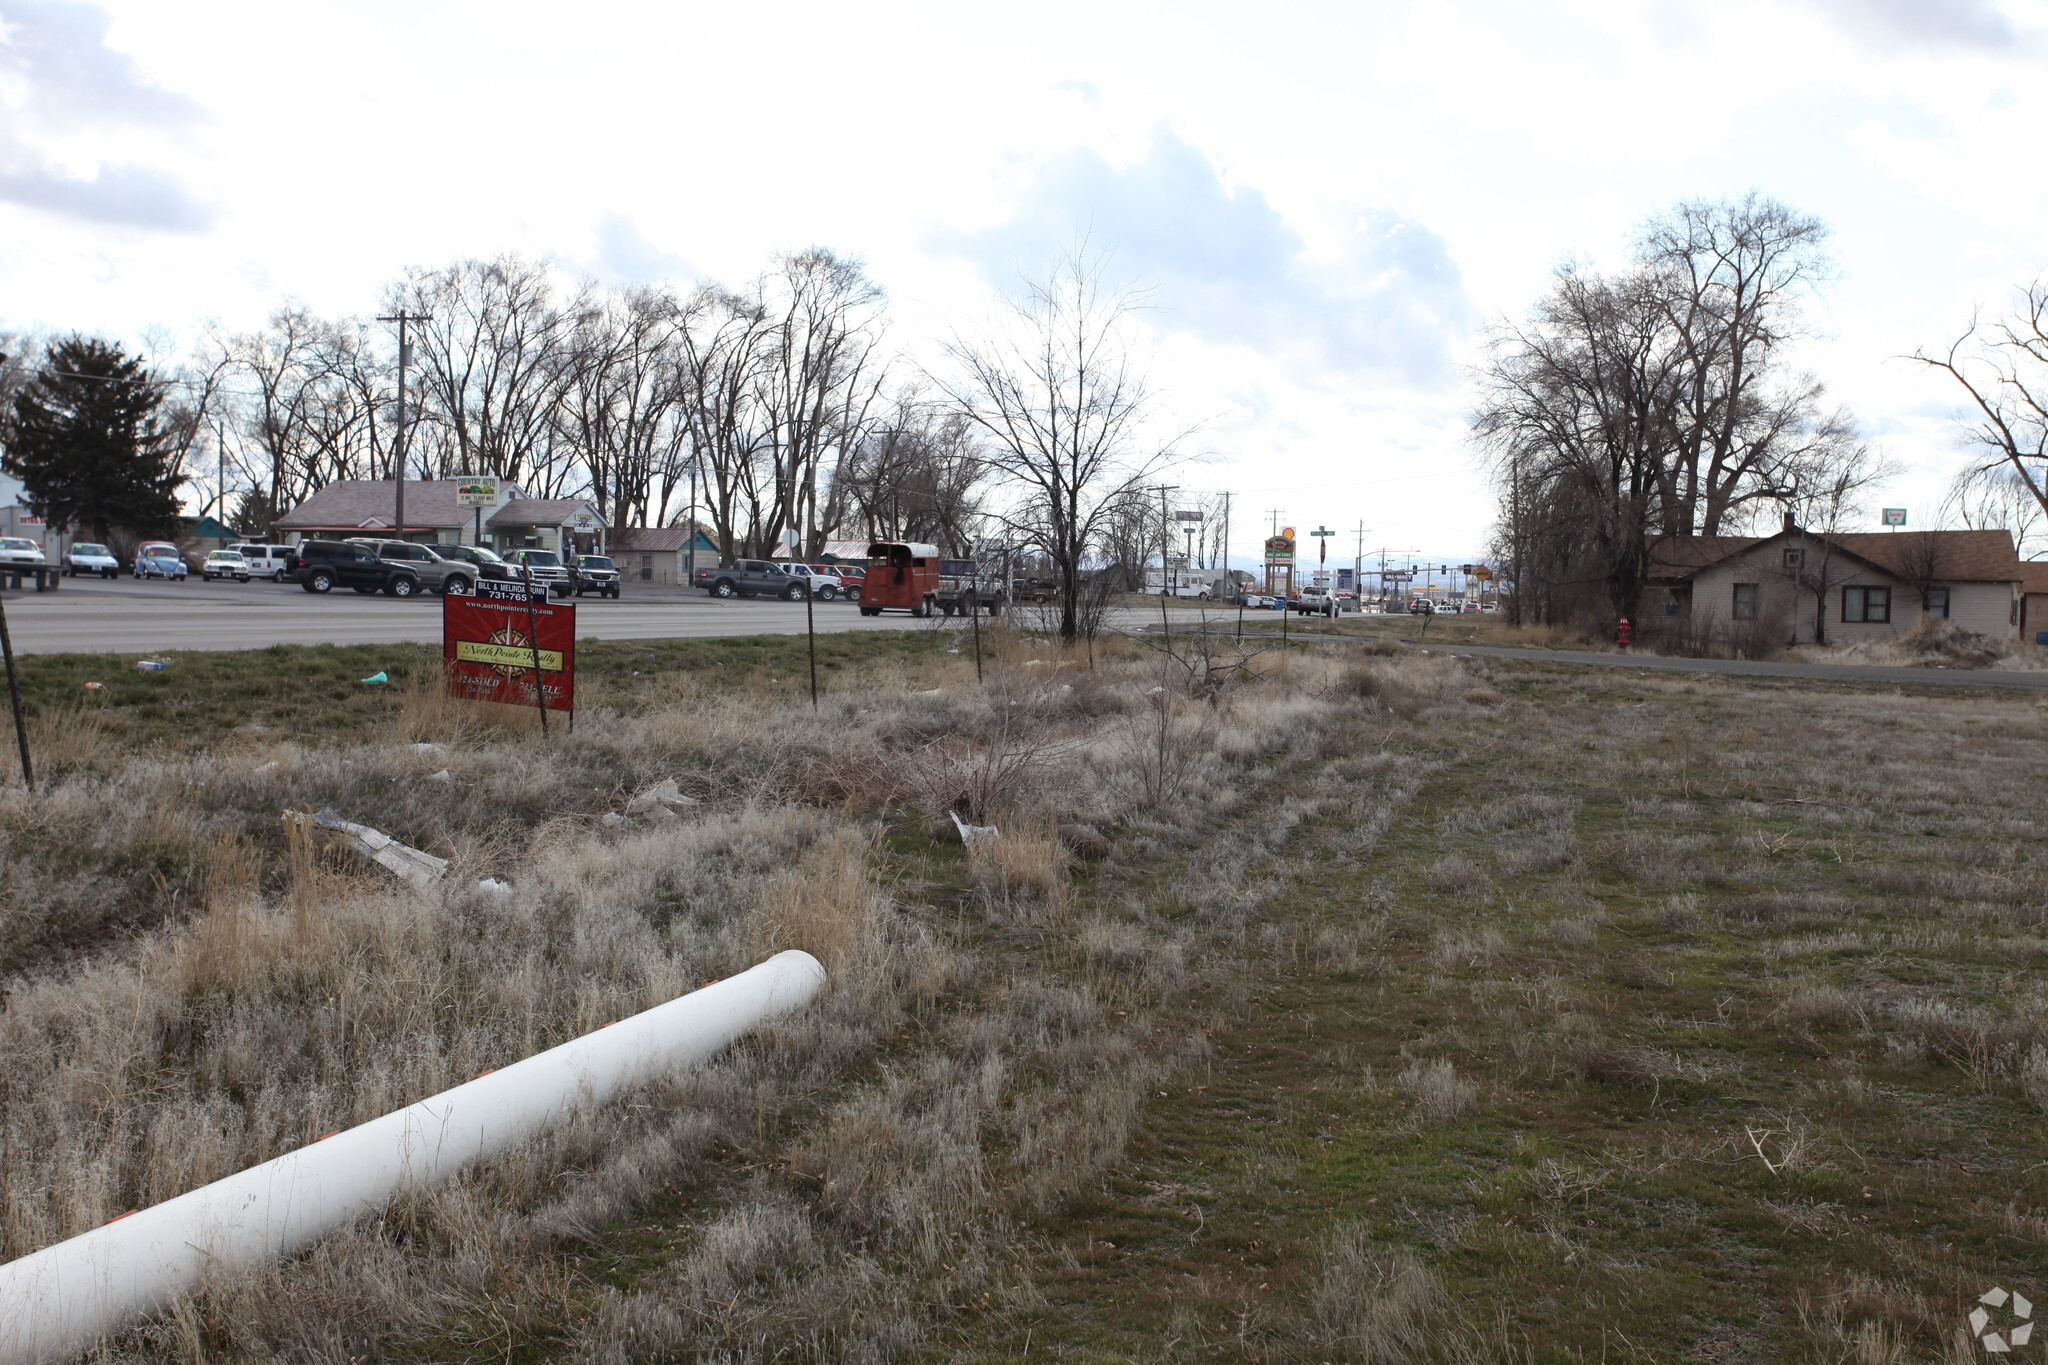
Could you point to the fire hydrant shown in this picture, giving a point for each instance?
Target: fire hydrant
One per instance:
(1621, 632)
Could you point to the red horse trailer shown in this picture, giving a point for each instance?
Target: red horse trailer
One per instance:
(903, 576)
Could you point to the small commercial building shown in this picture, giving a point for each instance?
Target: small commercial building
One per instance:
(661, 554)
(471, 511)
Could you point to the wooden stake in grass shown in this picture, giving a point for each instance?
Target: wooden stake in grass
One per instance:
(28, 776)
(540, 698)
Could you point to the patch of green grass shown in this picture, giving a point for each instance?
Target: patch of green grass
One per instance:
(1666, 1160)
(316, 691)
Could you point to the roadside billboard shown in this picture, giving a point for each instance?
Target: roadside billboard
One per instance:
(489, 640)
(477, 493)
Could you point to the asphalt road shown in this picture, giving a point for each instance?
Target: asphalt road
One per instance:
(122, 615)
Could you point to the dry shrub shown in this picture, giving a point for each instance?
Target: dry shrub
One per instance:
(1024, 854)
(1375, 1305)
(1164, 749)
(1818, 1004)
(1595, 1059)
(429, 714)
(975, 778)
(1404, 684)
(68, 736)
(1439, 1092)
(1453, 873)
(1483, 696)
(2034, 1076)
(827, 905)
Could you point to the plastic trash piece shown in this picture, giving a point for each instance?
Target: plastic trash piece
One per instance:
(971, 834)
(424, 748)
(95, 687)
(664, 795)
(378, 678)
(494, 886)
(151, 665)
(443, 776)
(423, 870)
(611, 819)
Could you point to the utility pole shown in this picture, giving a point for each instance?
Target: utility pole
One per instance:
(405, 320)
(1165, 553)
(1224, 548)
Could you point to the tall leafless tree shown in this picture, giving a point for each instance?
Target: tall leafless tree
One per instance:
(1065, 416)
(2002, 365)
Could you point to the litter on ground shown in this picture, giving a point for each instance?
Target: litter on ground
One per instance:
(378, 677)
(969, 834)
(423, 870)
(664, 797)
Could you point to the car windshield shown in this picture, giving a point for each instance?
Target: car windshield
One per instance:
(89, 550)
(223, 554)
(594, 562)
(167, 550)
(13, 543)
(544, 559)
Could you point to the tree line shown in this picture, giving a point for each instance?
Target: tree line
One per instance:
(773, 413)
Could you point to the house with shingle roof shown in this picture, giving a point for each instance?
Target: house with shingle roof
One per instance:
(434, 515)
(1799, 585)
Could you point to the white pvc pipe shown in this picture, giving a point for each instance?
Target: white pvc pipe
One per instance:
(58, 1301)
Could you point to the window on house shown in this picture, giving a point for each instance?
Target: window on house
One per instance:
(1794, 558)
(1745, 601)
(1935, 600)
(1870, 605)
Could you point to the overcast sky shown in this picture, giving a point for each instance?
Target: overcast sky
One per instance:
(1330, 201)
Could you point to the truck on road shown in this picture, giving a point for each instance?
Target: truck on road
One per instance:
(751, 578)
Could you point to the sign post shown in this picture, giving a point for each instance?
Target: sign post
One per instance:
(477, 493)
(508, 643)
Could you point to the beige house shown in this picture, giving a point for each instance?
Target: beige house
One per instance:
(1799, 585)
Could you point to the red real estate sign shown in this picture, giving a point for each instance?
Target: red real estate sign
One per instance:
(488, 647)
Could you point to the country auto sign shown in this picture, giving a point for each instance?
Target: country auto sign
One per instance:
(492, 640)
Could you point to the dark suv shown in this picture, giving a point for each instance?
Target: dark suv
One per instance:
(320, 564)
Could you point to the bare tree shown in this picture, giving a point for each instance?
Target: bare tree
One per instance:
(495, 356)
(1655, 402)
(2003, 367)
(1736, 275)
(1064, 415)
(915, 473)
(1576, 418)
(1996, 497)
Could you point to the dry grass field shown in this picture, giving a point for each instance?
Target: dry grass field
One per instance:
(1313, 1006)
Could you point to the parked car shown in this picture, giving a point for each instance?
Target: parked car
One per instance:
(448, 576)
(850, 578)
(751, 578)
(321, 565)
(1032, 590)
(21, 550)
(1198, 592)
(485, 562)
(823, 582)
(267, 561)
(160, 559)
(224, 564)
(540, 566)
(85, 557)
(594, 573)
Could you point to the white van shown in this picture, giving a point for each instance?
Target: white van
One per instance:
(267, 561)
